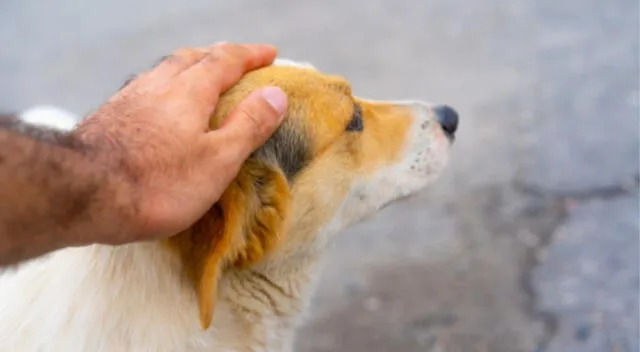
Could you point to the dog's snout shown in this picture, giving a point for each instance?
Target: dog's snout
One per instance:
(447, 117)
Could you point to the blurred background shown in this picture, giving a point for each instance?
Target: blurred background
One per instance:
(529, 241)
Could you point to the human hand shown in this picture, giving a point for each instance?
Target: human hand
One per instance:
(154, 132)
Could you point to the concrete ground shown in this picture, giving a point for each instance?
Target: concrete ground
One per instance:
(529, 242)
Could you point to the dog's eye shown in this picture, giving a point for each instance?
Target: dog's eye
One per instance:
(356, 124)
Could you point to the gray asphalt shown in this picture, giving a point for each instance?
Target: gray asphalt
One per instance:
(529, 242)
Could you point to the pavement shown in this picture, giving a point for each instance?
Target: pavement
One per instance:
(528, 242)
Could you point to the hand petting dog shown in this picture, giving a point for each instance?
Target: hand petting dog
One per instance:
(144, 165)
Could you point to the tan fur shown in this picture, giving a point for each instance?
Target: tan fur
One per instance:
(236, 231)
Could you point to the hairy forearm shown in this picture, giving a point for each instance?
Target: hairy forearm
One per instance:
(52, 194)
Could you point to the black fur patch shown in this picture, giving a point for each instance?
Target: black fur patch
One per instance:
(356, 124)
(288, 148)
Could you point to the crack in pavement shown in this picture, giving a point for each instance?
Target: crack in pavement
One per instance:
(532, 259)
(561, 203)
(603, 192)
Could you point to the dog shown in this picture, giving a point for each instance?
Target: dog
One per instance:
(241, 278)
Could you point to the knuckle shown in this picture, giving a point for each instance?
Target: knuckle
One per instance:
(219, 57)
(182, 55)
(184, 51)
(229, 53)
(222, 46)
(218, 63)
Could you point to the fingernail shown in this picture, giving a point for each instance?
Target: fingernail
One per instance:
(276, 98)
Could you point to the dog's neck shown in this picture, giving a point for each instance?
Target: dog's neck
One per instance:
(136, 297)
(257, 307)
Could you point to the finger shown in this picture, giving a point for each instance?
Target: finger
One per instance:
(249, 125)
(226, 63)
(171, 65)
(177, 62)
(222, 67)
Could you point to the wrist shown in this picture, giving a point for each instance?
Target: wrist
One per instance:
(114, 213)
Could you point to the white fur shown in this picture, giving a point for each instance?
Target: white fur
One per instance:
(288, 62)
(133, 297)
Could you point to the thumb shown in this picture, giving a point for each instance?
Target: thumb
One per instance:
(252, 122)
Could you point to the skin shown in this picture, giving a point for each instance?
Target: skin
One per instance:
(145, 165)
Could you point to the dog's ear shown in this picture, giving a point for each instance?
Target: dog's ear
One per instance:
(239, 230)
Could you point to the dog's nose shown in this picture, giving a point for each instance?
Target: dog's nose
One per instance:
(448, 119)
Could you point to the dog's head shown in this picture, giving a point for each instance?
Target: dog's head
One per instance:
(335, 159)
